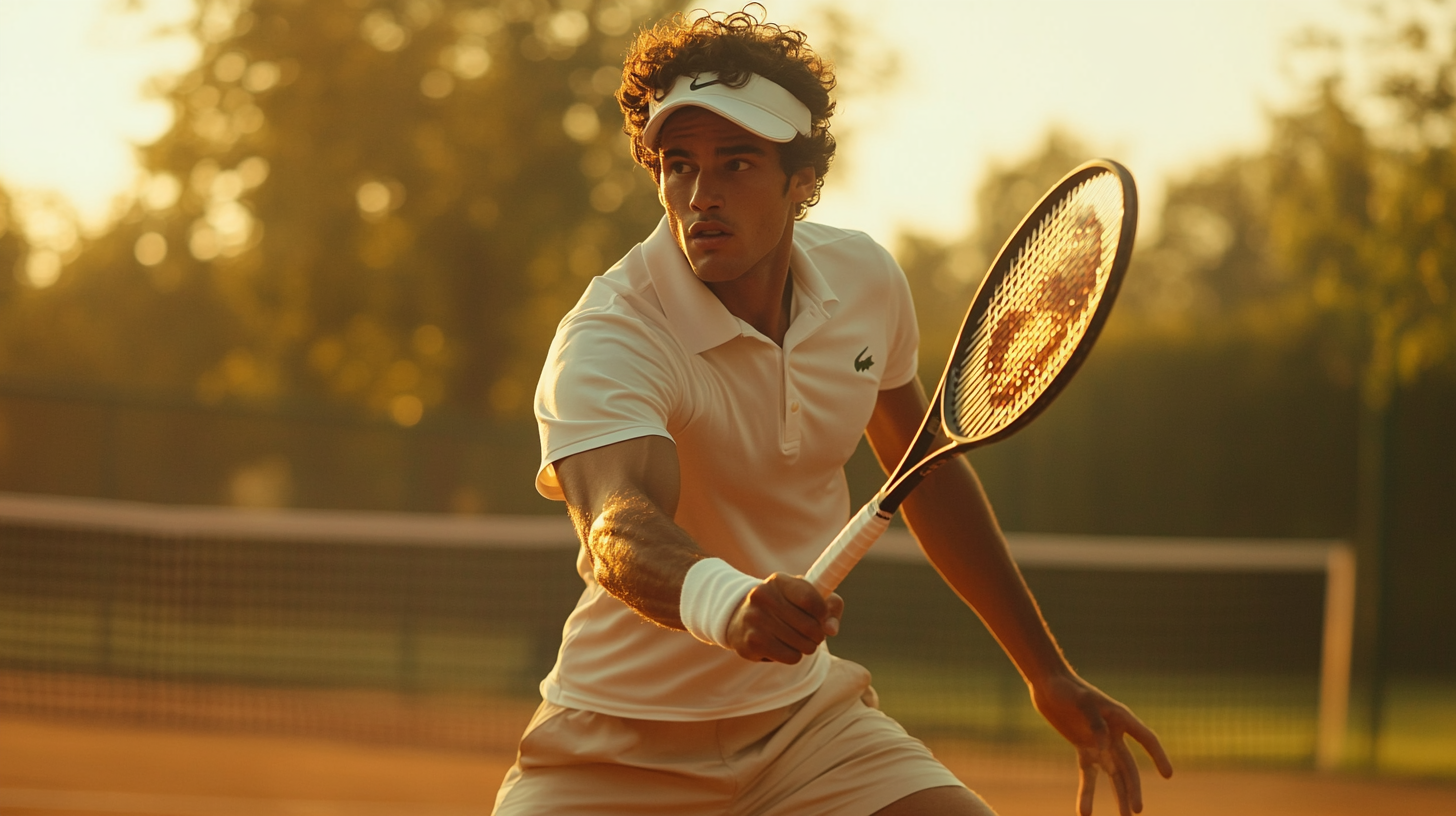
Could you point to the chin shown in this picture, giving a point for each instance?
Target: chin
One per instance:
(713, 270)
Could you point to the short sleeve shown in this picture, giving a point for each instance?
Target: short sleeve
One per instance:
(607, 379)
(902, 332)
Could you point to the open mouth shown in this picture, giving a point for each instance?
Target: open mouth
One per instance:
(707, 230)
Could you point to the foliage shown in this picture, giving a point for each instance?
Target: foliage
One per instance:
(383, 203)
(1208, 258)
(1363, 232)
(944, 276)
(1334, 243)
(1337, 236)
(12, 248)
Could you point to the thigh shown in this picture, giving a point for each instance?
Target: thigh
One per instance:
(580, 763)
(947, 801)
(839, 756)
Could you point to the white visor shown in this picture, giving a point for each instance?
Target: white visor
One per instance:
(760, 106)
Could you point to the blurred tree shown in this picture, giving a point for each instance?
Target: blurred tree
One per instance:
(1338, 231)
(941, 296)
(1010, 190)
(1334, 245)
(386, 203)
(12, 248)
(1359, 219)
(1332, 248)
(944, 275)
(1208, 258)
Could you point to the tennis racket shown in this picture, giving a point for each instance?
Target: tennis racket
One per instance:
(1031, 325)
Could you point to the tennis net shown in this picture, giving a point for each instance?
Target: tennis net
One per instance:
(435, 630)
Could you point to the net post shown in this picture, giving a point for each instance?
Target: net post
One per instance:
(1338, 637)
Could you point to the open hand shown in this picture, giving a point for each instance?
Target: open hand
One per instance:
(1095, 724)
(782, 619)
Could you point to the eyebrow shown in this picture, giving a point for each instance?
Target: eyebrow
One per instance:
(730, 150)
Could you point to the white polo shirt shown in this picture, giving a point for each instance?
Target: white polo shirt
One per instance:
(762, 435)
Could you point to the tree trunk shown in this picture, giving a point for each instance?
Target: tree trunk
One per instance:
(1372, 496)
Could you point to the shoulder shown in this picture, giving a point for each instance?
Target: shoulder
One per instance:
(620, 302)
(846, 250)
(613, 345)
(812, 236)
(850, 261)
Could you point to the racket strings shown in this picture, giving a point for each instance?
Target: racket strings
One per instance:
(1039, 311)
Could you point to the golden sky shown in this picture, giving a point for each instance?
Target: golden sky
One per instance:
(1158, 84)
(72, 96)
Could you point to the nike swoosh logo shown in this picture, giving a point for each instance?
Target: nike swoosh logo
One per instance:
(694, 86)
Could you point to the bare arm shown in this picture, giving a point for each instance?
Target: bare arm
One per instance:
(623, 498)
(953, 521)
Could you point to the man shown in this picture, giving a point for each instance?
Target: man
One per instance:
(696, 410)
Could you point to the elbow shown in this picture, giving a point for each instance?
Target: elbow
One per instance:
(609, 576)
(608, 556)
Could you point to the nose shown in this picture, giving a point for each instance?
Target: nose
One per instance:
(707, 194)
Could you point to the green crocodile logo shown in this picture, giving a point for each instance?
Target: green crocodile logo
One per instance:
(863, 363)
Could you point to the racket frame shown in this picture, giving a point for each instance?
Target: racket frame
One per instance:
(915, 465)
(870, 521)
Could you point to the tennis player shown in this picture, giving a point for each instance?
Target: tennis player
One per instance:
(696, 410)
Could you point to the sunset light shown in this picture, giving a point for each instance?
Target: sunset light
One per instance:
(1188, 78)
(445, 407)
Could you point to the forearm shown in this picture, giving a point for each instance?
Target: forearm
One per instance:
(641, 556)
(953, 521)
(950, 515)
(622, 498)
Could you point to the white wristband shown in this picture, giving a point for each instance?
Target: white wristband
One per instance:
(711, 593)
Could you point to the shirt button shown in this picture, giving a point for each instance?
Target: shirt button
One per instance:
(794, 407)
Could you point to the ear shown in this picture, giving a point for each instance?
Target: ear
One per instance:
(801, 185)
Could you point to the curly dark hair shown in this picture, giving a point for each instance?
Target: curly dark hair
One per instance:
(734, 45)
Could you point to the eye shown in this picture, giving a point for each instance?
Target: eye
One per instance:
(736, 165)
(679, 168)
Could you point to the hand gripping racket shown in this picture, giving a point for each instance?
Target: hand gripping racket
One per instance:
(1031, 324)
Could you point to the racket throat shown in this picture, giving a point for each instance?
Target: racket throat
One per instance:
(893, 494)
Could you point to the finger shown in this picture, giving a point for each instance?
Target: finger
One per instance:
(799, 634)
(801, 594)
(783, 618)
(798, 630)
(1131, 774)
(835, 613)
(756, 631)
(799, 600)
(1150, 743)
(1119, 783)
(767, 650)
(800, 644)
(764, 647)
(1086, 785)
(769, 632)
(779, 653)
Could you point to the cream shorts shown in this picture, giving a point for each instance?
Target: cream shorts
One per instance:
(831, 753)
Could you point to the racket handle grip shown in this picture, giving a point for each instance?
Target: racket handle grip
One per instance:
(847, 548)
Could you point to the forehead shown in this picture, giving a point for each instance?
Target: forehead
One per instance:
(690, 125)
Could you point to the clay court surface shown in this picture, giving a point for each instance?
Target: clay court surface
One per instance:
(52, 768)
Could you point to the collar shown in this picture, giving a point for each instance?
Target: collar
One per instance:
(701, 321)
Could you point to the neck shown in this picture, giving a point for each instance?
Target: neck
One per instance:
(762, 298)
